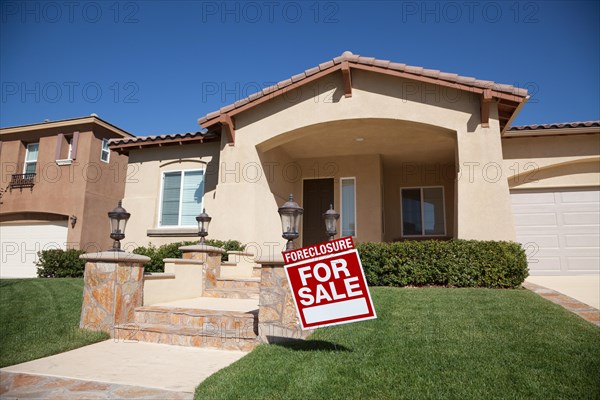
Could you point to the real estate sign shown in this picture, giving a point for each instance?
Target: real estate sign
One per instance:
(328, 284)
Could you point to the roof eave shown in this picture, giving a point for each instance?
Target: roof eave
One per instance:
(66, 123)
(517, 96)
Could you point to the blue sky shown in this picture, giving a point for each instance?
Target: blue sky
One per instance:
(154, 67)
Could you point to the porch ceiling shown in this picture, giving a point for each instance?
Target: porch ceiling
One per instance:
(396, 141)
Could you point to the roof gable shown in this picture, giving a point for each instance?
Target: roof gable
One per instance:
(510, 98)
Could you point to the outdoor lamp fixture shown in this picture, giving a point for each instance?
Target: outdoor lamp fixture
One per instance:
(118, 220)
(203, 222)
(330, 216)
(290, 214)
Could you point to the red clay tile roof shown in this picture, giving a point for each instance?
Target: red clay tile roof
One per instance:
(370, 61)
(563, 125)
(123, 144)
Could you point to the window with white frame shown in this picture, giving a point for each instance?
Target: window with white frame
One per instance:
(181, 197)
(105, 153)
(31, 157)
(70, 154)
(423, 211)
(348, 209)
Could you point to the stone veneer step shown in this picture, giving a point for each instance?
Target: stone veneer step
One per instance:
(207, 336)
(232, 293)
(197, 318)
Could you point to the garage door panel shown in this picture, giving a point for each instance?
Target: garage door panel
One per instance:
(20, 244)
(559, 229)
(582, 264)
(582, 241)
(543, 264)
(537, 219)
(540, 241)
(581, 218)
(580, 197)
(527, 198)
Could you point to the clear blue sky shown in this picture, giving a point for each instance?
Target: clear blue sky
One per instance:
(154, 67)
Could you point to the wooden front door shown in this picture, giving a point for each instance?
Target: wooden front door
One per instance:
(317, 196)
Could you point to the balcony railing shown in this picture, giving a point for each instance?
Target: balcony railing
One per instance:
(22, 181)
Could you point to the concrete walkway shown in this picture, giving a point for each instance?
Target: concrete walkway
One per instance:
(112, 369)
(578, 294)
(584, 288)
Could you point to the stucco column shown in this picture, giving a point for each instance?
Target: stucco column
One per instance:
(483, 199)
(209, 255)
(277, 317)
(113, 288)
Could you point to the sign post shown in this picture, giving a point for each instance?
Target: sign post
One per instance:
(328, 284)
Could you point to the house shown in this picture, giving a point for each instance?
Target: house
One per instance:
(402, 152)
(59, 179)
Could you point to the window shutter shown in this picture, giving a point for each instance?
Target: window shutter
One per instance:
(59, 141)
(74, 145)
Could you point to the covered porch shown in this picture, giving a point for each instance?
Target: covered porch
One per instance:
(390, 180)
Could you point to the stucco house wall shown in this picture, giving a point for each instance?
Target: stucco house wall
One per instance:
(142, 192)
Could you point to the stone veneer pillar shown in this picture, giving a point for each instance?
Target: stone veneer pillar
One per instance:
(277, 317)
(113, 288)
(209, 255)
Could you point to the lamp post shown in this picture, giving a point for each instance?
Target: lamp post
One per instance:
(331, 216)
(203, 222)
(118, 221)
(290, 214)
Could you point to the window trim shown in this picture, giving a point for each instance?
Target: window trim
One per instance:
(159, 224)
(353, 178)
(69, 159)
(107, 150)
(25, 162)
(423, 235)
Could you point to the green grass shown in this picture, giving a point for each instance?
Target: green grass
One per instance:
(40, 317)
(433, 344)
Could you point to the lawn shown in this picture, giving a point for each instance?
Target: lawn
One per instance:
(429, 343)
(40, 317)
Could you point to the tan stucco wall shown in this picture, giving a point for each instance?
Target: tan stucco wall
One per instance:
(552, 161)
(405, 176)
(142, 192)
(367, 173)
(187, 284)
(483, 206)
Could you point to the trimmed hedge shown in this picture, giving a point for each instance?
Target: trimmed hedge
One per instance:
(171, 250)
(455, 263)
(57, 263)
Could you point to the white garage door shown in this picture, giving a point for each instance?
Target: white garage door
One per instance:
(21, 242)
(559, 229)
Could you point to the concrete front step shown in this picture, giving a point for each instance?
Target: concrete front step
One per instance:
(237, 283)
(197, 318)
(207, 336)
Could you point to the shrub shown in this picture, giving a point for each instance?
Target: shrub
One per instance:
(58, 263)
(457, 263)
(171, 250)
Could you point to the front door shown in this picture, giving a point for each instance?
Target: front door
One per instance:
(317, 196)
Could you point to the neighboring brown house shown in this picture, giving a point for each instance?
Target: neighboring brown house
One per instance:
(59, 179)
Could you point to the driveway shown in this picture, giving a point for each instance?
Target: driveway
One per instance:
(585, 288)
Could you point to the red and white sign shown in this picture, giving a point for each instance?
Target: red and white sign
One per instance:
(328, 284)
